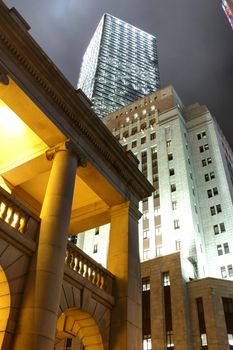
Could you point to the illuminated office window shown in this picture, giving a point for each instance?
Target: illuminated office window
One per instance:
(119, 66)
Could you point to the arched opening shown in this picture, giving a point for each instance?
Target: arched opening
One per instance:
(5, 302)
(77, 330)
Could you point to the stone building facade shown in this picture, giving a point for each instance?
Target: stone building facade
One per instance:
(61, 172)
(183, 153)
(183, 313)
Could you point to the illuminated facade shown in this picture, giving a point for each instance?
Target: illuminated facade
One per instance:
(58, 175)
(181, 312)
(119, 66)
(186, 230)
(227, 6)
(185, 156)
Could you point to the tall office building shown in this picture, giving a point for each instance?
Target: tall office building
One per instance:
(186, 230)
(119, 66)
(227, 6)
(185, 156)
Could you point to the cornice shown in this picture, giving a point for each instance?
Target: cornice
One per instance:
(3, 76)
(19, 50)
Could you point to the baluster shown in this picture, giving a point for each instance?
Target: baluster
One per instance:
(79, 263)
(94, 276)
(98, 274)
(89, 271)
(102, 280)
(17, 220)
(75, 262)
(69, 257)
(10, 215)
(3, 212)
(25, 225)
(72, 262)
(81, 271)
(86, 264)
(21, 224)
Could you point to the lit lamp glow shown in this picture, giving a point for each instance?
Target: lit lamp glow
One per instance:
(9, 121)
(18, 143)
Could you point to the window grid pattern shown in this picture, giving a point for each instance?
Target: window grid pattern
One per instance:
(126, 66)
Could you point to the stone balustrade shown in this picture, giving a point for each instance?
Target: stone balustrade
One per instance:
(17, 215)
(81, 263)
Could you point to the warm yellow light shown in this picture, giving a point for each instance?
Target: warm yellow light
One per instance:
(18, 143)
(5, 305)
(9, 121)
(4, 185)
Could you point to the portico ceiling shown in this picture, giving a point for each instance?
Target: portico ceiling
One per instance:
(47, 112)
(25, 135)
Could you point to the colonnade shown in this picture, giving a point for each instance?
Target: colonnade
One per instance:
(38, 318)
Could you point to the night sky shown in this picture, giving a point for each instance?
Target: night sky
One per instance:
(195, 42)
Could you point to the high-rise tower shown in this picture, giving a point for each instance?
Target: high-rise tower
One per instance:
(184, 154)
(227, 6)
(119, 66)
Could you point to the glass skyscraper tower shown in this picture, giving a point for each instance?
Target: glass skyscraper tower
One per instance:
(119, 66)
(227, 6)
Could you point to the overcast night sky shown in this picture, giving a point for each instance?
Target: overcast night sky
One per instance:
(195, 42)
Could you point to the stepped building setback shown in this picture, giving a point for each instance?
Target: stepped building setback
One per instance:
(184, 154)
(186, 231)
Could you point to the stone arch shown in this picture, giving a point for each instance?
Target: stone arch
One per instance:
(75, 323)
(14, 266)
(91, 301)
(5, 305)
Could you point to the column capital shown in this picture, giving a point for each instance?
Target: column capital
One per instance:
(3, 76)
(66, 146)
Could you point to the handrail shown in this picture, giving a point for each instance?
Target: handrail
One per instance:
(20, 218)
(85, 266)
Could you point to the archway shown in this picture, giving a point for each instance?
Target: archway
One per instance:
(5, 303)
(75, 323)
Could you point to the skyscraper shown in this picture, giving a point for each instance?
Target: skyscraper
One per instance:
(227, 6)
(186, 230)
(119, 66)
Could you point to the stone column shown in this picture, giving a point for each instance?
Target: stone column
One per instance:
(38, 319)
(123, 262)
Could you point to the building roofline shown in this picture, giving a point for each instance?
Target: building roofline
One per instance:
(108, 14)
(29, 66)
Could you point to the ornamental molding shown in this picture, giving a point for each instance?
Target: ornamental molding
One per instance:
(67, 146)
(49, 91)
(3, 76)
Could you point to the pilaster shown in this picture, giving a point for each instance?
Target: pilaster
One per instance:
(123, 262)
